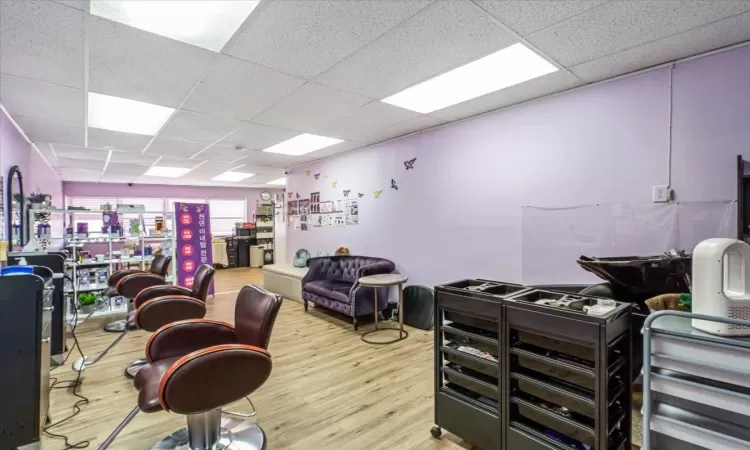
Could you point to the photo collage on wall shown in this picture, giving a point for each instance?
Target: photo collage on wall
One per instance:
(307, 213)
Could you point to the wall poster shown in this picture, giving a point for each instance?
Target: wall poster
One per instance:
(317, 220)
(291, 208)
(304, 206)
(351, 212)
(326, 207)
(193, 241)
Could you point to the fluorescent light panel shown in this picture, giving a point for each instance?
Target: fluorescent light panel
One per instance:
(128, 116)
(167, 172)
(205, 23)
(280, 181)
(301, 144)
(232, 176)
(507, 67)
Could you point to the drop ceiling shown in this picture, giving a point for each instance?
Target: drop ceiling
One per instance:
(309, 66)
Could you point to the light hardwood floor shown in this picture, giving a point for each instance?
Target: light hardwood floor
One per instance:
(328, 389)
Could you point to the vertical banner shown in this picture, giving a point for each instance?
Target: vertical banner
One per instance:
(193, 241)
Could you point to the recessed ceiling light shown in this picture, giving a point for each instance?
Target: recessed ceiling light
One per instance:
(129, 116)
(507, 67)
(232, 176)
(304, 143)
(205, 23)
(280, 181)
(167, 172)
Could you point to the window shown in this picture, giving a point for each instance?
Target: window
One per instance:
(94, 220)
(224, 214)
(154, 208)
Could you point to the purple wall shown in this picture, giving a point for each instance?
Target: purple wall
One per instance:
(459, 213)
(14, 149)
(75, 189)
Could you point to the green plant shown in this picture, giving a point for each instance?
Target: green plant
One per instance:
(87, 299)
(36, 198)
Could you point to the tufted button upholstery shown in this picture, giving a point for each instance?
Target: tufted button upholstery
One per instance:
(331, 283)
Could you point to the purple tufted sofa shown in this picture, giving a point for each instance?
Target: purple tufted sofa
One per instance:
(332, 283)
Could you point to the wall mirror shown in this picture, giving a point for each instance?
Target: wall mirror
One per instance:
(16, 209)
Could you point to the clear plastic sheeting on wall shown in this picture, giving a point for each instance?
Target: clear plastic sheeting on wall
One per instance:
(553, 238)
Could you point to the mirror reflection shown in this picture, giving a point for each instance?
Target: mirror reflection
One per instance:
(15, 209)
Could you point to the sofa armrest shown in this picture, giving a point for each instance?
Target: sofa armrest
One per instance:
(160, 291)
(157, 312)
(186, 336)
(378, 268)
(315, 266)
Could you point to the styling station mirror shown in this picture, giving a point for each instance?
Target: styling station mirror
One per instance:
(16, 210)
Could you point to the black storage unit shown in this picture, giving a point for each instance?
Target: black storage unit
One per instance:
(232, 244)
(469, 389)
(569, 374)
(26, 303)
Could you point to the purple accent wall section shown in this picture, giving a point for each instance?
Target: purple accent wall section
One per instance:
(73, 189)
(14, 149)
(459, 212)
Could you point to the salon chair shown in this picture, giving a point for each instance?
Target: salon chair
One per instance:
(157, 306)
(128, 282)
(185, 358)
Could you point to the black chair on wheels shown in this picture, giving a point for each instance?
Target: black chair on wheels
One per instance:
(129, 282)
(197, 367)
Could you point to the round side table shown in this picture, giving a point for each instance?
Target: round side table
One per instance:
(386, 280)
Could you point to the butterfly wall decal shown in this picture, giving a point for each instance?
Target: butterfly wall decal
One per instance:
(334, 183)
(393, 184)
(377, 193)
(297, 194)
(361, 195)
(317, 176)
(410, 163)
(307, 172)
(325, 176)
(290, 194)
(346, 192)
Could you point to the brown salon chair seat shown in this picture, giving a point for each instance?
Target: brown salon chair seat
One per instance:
(129, 282)
(187, 356)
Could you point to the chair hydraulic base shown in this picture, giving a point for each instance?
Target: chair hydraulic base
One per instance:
(134, 367)
(116, 326)
(209, 431)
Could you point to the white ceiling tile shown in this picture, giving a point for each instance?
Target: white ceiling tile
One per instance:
(306, 37)
(337, 149)
(132, 158)
(527, 16)
(403, 128)
(359, 124)
(47, 152)
(131, 63)
(116, 140)
(72, 174)
(124, 169)
(57, 133)
(256, 137)
(257, 158)
(172, 161)
(441, 37)
(538, 87)
(277, 172)
(84, 164)
(222, 154)
(310, 105)
(618, 25)
(195, 127)
(172, 147)
(43, 41)
(698, 40)
(239, 89)
(44, 101)
(73, 152)
(83, 5)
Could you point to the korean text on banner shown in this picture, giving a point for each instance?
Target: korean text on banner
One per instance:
(193, 241)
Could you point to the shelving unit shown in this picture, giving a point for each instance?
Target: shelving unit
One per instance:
(110, 263)
(265, 231)
(696, 385)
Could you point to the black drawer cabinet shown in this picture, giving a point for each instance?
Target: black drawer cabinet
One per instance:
(465, 419)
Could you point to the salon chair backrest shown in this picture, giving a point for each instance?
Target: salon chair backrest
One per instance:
(254, 315)
(202, 281)
(160, 265)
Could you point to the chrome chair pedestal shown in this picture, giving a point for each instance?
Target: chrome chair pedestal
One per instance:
(208, 431)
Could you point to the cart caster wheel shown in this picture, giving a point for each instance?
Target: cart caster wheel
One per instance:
(436, 432)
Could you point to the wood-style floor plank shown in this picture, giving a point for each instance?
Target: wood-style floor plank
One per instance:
(328, 389)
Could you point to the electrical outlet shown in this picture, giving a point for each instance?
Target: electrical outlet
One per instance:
(661, 194)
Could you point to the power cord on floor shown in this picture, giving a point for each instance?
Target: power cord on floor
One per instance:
(67, 384)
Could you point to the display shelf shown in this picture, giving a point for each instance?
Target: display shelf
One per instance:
(696, 388)
(98, 287)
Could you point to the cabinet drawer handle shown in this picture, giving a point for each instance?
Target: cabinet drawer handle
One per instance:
(48, 308)
(45, 341)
